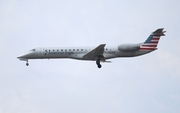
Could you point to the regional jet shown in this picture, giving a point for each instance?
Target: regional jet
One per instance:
(98, 54)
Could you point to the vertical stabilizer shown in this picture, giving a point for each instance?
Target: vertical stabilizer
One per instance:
(153, 39)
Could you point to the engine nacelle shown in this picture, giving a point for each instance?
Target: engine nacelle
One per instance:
(128, 47)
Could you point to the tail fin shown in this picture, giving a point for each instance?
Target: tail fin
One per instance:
(153, 39)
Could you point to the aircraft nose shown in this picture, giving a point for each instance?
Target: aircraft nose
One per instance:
(24, 56)
(21, 56)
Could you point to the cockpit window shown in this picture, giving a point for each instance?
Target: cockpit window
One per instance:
(32, 49)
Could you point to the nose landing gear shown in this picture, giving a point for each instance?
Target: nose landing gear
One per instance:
(99, 66)
(27, 64)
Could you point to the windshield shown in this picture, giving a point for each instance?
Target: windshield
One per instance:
(32, 49)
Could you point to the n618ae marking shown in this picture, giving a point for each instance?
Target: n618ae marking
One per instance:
(99, 53)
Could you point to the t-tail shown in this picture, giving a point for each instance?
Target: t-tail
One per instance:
(152, 41)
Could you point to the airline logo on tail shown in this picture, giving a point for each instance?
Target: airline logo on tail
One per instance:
(152, 41)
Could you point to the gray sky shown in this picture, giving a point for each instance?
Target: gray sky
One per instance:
(144, 84)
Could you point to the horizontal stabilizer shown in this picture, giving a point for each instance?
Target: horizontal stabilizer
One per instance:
(159, 32)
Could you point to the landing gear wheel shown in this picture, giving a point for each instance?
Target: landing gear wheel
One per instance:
(27, 64)
(99, 66)
(98, 63)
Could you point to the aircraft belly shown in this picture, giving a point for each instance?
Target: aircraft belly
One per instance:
(76, 56)
(127, 54)
(142, 52)
(108, 56)
(132, 53)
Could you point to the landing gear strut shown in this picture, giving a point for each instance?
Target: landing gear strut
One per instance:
(98, 63)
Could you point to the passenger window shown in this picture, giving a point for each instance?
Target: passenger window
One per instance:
(61, 49)
(81, 49)
(73, 49)
(77, 49)
(69, 49)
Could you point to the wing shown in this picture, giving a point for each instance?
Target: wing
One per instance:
(97, 52)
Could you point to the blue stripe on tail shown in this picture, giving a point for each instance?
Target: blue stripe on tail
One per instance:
(149, 39)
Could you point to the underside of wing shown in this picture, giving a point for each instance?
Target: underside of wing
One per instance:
(95, 53)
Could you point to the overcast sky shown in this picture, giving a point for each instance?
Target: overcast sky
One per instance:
(144, 84)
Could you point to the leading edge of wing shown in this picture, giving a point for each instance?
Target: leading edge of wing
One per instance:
(98, 51)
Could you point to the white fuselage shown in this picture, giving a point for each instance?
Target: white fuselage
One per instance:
(78, 53)
(98, 53)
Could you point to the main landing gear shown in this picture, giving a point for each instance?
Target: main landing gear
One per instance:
(98, 63)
